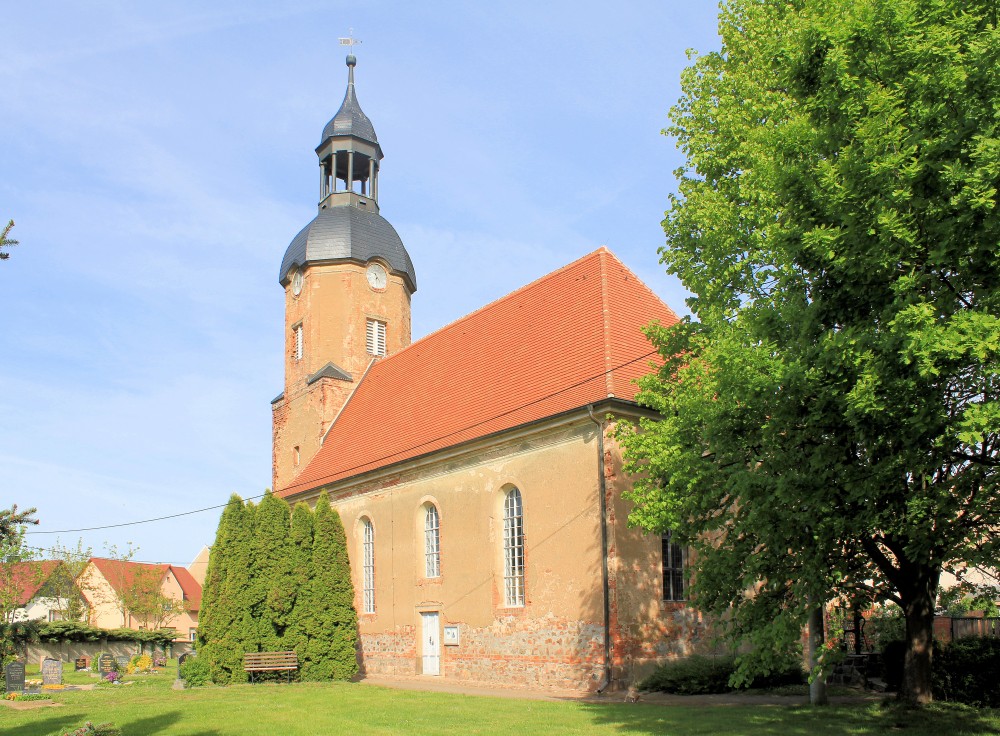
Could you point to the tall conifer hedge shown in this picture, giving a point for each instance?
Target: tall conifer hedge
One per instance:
(279, 580)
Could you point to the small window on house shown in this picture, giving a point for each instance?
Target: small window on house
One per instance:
(368, 566)
(375, 337)
(513, 549)
(298, 341)
(297, 455)
(432, 542)
(673, 569)
(192, 634)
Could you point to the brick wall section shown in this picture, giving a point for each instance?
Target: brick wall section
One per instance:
(942, 629)
(390, 652)
(544, 653)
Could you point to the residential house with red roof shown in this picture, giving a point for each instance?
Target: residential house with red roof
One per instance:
(139, 595)
(475, 470)
(26, 593)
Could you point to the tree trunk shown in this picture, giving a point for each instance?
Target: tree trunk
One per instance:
(817, 685)
(918, 609)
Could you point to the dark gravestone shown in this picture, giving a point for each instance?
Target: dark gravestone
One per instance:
(14, 672)
(52, 672)
(122, 662)
(105, 664)
(82, 663)
(181, 660)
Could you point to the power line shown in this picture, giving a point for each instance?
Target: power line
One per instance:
(80, 556)
(375, 460)
(143, 521)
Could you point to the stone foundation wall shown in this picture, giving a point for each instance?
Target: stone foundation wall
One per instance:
(390, 652)
(544, 653)
(514, 651)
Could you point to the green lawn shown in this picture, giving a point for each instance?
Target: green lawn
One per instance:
(150, 707)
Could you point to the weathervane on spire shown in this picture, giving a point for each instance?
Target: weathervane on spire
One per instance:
(349, 41)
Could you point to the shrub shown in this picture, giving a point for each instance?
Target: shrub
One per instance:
(694, 675)
(967, 671)
(196, 672)
(139, 663)
(886, 623)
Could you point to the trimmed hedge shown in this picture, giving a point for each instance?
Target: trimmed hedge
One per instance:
(700, 675)
(75, 631)
(968, 671)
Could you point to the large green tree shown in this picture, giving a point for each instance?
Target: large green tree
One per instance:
(831, 420)
(270, 588)
(301, 622)
(226, 627)
(333, 637)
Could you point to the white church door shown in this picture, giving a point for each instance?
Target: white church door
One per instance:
(431, 643)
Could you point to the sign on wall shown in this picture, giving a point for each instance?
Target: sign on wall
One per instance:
(451, 636)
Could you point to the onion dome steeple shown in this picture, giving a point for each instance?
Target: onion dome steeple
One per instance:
(350, 119)
(349, 226)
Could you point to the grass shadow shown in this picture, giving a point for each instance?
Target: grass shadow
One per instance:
(158, 723)
(780, 720)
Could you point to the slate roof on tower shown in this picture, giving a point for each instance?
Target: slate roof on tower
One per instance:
(350, 118)
(569, 339)
(348, 233)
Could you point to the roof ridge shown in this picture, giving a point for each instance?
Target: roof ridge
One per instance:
(489, 305)
(609, 382)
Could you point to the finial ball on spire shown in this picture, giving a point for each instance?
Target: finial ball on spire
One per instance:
(352, 60)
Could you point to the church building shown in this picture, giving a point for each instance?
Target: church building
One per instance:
(475, 470)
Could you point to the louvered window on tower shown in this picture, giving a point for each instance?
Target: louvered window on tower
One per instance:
(298, 342)
(376, 337)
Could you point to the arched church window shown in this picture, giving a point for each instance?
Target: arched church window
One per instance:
(432, 542)
(513, 549)
(673, 556)
(368, 566)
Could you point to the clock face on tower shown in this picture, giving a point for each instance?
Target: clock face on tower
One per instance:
(377, 277)
(297, 282)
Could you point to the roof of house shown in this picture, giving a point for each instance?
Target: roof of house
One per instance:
(27, 578)
(190, 586)
(569, 339)
(121, 574)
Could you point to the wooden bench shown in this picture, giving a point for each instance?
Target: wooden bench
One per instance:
(257, 662)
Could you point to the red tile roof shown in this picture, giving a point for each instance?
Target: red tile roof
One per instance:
(26, 578)
(570, 339)
(190, 586)
(122, 574)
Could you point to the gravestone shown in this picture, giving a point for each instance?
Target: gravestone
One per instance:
(82, 663)
(122, 661)
(181, 660)
(52, 671)
(105, 664)
(14, 672)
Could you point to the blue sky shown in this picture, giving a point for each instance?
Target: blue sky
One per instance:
(158, 158)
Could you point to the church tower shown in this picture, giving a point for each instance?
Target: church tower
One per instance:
(348, 282)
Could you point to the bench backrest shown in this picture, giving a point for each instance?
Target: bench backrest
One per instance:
(270, 660)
